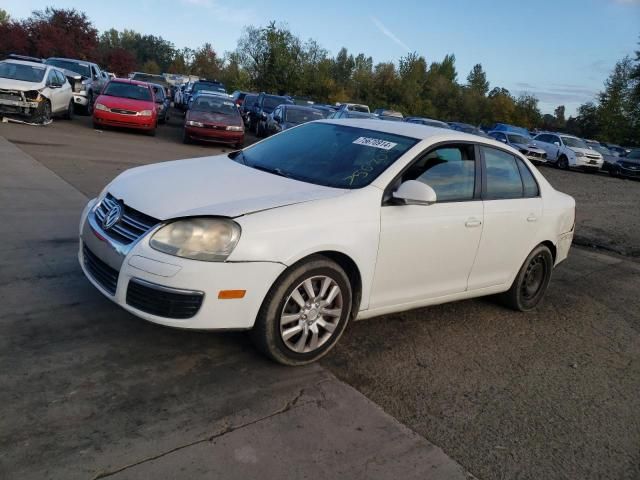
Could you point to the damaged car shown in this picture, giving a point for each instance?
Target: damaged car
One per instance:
(34, 91)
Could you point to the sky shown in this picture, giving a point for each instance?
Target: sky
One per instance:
(559, 50)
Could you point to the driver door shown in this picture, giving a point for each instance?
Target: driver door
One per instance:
(428, 251)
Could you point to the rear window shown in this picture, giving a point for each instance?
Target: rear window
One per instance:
(127, 90)
(327, 154)
(294, 115)
(81, 68)
(145, 77)
(269, 103)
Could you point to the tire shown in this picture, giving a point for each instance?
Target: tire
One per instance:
(96, 126)
(152, 132)
(43, 113)
(186, 139)
(89, 107)
(70, 110)
(292, 343)
(563, 163)
(532, 281)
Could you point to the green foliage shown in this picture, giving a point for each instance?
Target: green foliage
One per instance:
(4, 16)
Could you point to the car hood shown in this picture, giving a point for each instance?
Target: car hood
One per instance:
(126, 103)
(210, 186)
(212, 118)
(586, 151)
(635, 161)
(9, 84)
(528, 146)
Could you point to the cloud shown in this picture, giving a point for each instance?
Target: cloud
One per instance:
(388, 33)
(236, 16)
(627, 2)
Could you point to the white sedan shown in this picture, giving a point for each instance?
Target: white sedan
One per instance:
(330, 221)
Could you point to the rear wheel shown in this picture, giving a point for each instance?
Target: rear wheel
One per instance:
(305, 312)
(532, 280)
(69, 113)
(185, 137)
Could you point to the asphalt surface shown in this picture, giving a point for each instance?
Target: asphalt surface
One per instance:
(548, 394)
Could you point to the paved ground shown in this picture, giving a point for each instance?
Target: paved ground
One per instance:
(89, 391)
(550, 394)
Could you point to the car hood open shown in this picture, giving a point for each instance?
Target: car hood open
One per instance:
(210, 186)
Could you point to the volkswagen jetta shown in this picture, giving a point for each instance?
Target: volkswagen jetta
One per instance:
(330, 221)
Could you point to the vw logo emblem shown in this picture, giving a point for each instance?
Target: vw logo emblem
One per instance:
(112, 216)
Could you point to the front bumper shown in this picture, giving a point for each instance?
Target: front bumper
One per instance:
(14, 102)
(112, 119)
(589, 163)
(214, 135)
(138, 263)
(80, 99)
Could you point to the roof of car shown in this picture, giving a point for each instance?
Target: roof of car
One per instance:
(26, 62)
(128, 80)
(77, 60)
(414, 130)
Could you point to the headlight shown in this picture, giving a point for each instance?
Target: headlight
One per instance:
(235, 129)
(145, 113)
(208, 239)
(579, 154)
(99, 106)
(195, 124)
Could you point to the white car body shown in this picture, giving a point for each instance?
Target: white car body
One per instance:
(556, 147)
(465, 249)
(57, 93)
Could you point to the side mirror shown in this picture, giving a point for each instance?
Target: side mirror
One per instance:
(413, 192)
(503, 140)
(557, 144)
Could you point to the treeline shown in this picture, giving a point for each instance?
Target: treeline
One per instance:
(273, 59)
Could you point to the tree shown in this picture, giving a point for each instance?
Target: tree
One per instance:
(205, 62)
(119, 61)
(4, 17)
(150, 66)
(559, 114)
(61, 32)
(616, 109)
(477, 80)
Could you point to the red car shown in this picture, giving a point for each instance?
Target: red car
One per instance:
(213, 118)
(128, 104)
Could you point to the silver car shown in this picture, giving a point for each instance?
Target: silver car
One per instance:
(521, 143)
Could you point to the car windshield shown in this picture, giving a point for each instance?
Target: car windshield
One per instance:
(574, 142)
(514, 138)
(127, 90)
(269, 103)
(327, 154)
(296, 115)
(81, 68)
(24, 73)
(145, 77)
(208, 87)
(603, 150)
(211, 104)
(634, 154)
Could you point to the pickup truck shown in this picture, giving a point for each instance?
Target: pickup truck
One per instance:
(88, 87)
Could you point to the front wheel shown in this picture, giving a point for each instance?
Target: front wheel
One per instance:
(90, 104)
(563, 163)
(69, 113)
(532, 280)
(305, 312)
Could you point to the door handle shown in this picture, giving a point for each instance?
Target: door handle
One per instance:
(472, 222)
(532, 218)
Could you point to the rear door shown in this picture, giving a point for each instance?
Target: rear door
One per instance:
(512, 210)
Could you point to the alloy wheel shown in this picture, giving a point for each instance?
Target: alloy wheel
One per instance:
(311, 314)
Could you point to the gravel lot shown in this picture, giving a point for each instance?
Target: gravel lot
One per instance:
(549, 394)
(608, 209)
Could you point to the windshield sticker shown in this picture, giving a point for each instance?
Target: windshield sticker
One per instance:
(375, 143)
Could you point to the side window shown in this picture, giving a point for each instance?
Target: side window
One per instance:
(61, 78)
(554, 139)
(503, 176)
(94, 74)
(450, 170)
(51, 78)
(528, 181)
(542, 138)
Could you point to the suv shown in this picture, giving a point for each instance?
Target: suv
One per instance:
(263, 106)
(567, 151)
(355, 107)
(89, 87)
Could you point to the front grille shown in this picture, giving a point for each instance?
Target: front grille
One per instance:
(123, 112)
(9, 95)
(161, 301)
(593, 157)
(130, 227)
(102, 273)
